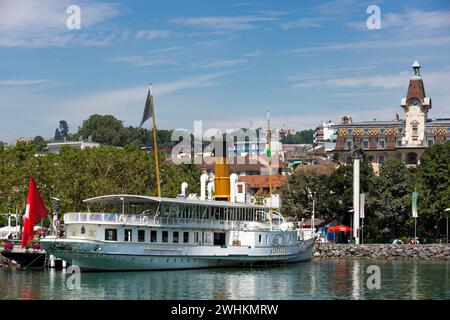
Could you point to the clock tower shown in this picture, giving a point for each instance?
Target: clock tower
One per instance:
(416, 106)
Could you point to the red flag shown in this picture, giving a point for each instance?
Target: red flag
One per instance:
(34, 212)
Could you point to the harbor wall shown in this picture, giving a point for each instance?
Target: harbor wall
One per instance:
(383, 251)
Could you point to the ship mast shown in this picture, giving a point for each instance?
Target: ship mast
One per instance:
(269, 155)
(155, 144)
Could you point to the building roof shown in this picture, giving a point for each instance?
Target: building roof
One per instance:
(415, 89)
(257, 182)
(372, 123)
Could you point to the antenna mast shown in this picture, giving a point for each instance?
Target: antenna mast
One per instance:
(269, 155)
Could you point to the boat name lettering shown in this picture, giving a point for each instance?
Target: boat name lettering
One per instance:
(278, 250)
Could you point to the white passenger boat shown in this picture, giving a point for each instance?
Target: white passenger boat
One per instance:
(134, 232)
(174, 233)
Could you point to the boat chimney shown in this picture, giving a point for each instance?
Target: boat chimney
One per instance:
(210, 190)
(184, 187)
(233, 187)
(203, 180)
(221, 170)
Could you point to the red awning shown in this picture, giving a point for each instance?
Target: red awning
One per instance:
(339, 228)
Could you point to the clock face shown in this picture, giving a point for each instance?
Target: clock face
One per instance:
(414, 103)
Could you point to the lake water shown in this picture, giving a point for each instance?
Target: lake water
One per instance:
(319, 279)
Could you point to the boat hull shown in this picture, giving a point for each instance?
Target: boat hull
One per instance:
(35, 259)
(98, 255)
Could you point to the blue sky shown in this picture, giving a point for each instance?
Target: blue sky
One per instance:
(222, 62)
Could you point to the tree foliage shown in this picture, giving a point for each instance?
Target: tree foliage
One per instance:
(388, 196)
(302, 137)
(63, 128)
(433, 186)
(76, 174)
(108, 130)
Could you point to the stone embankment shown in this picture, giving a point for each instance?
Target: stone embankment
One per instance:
(383, 251)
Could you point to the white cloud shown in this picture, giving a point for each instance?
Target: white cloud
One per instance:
(304, 23)
(142, 61)
(32, 23)
(377, 44)
(411, 20)
(256, 53)
(414, 19)
(164, 50)
(119, 102)
(223, 63)
(154, 34)
(22, 82)
(227, 23)
(435, 80)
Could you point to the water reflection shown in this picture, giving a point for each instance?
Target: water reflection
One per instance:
(321, 279)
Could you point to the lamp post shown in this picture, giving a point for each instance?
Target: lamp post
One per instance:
(446, 216)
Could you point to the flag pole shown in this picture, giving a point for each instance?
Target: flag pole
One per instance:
(155, 145)
(269, 154)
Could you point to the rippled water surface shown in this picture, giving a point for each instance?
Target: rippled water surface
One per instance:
(319, 279)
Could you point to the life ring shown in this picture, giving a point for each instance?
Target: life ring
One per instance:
(266, 201)
(122, 218)
(252, 200)
(144, 219)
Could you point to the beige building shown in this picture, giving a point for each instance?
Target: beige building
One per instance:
(404, 139)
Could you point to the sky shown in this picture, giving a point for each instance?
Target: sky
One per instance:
(224, 63)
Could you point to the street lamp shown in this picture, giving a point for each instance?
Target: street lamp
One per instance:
(447, 210)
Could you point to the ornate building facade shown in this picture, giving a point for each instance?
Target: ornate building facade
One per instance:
(403, 139)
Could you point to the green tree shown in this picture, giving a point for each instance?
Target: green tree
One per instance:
(40, 143)
(76, 174)
(302, 137)
(304, 185)
(433, 186)
(388, 201)
(63, 128)
(104, 129)
(57, 136)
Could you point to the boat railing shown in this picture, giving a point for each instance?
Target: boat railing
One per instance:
(144, 220)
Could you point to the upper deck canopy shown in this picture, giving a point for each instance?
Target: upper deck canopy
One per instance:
(138, 199)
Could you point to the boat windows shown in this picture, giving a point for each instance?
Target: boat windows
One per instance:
(219, 238)
(259, 238)
(83, 230)
(185, 237)
(153, 236)
(128, 235)
(175, 237)
(165, 236)
(111, 234)
(141, 235)
(195, 237)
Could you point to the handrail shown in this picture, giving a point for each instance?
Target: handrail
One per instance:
(164, 221)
